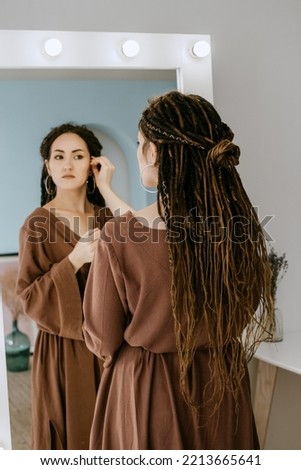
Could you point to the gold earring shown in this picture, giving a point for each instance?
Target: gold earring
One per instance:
(50, 191)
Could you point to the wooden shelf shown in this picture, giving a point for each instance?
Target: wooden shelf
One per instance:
(284, 354)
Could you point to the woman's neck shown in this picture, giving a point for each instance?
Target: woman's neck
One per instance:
(150, 217)
(71, 202)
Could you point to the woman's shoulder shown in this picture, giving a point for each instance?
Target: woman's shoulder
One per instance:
(39, 214)
(116, 227)
(127, 227)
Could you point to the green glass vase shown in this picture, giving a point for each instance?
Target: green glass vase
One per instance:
(17, 349)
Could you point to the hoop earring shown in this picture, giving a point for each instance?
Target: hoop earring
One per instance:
(141, 182)
(48, 189)
(93, 186)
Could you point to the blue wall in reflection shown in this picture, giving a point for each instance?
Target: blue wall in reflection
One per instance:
(30, 108)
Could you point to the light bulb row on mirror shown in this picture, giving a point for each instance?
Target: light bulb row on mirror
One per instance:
(130, 48)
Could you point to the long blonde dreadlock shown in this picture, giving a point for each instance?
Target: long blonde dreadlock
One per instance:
(219, 265)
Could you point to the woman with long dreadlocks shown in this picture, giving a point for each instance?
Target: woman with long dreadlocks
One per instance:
(178, 294)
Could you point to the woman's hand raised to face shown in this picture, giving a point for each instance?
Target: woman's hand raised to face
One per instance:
(84, 250)
(103, 170)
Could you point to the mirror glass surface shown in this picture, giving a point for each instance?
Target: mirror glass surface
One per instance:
(31, 107)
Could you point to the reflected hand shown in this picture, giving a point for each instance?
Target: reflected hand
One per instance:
(103, 170)
(84, 250)
(103, 177)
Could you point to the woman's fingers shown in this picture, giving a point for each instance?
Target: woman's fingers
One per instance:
(103, 170)
(97, 163)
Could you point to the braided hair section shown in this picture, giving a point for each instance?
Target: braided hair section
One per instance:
(215, 241)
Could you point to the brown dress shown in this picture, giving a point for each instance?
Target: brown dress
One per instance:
(65, 374)
(128, 322)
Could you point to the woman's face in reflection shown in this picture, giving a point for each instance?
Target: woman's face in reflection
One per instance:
(69, 161)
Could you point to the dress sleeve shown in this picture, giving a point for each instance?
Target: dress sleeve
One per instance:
(49, 292)
(105, 307)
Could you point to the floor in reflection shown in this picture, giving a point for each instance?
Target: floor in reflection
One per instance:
(19, 390)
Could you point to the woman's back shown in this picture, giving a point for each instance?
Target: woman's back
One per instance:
(136, 333)
(195, 293)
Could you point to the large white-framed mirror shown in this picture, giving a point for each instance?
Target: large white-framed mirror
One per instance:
(163, 60)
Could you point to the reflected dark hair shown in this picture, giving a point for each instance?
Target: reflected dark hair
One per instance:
(94, 147)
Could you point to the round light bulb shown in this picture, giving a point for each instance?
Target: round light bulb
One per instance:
(201, 49)
(53, 47)
(130, 48)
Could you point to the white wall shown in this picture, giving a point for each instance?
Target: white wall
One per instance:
(256, 75)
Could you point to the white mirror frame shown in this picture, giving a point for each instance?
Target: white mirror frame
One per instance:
(5, 434)
(23, 50)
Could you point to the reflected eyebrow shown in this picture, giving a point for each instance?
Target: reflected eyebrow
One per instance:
(73, 151)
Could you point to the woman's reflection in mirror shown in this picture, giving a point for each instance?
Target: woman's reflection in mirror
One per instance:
(56, 245)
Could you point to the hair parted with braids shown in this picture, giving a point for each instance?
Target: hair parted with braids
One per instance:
(94, 147)
(219, 267)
